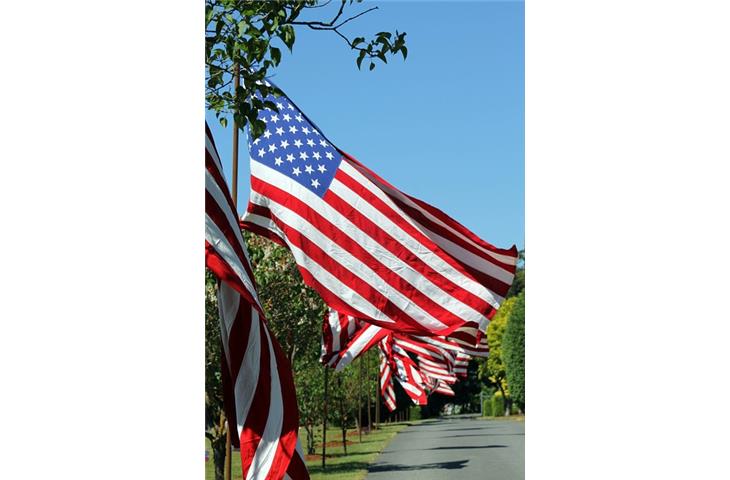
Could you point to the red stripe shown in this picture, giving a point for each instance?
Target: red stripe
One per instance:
(285, 451)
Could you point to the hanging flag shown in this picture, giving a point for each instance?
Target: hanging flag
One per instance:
(344, 338)
(258, 384)
(368, 249)
(395, 363)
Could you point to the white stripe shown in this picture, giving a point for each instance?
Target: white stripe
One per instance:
(434, 261)
(266, 451)
(401, 196)
(220, 244)
(351, 263)
(418, 280)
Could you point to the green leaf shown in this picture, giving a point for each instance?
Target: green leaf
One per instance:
(404, 51)
(275, 55)
(360, 58)
(357, 41)
(224, 121)
(372, 65)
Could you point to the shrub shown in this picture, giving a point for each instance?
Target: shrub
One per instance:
(415, 413)
(487, 407)
(497, 405)
(513, 352)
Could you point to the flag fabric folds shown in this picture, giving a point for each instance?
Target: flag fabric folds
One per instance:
(371, 251)
(259, 388)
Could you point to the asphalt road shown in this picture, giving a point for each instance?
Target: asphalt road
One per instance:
(453, 448)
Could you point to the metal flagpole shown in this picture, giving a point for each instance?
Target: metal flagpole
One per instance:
(324, 422)
(359, 401)
(234, 180)
(377, 399)
(367, 377)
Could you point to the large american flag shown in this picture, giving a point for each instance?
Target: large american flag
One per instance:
(369, 250)
(258, 384)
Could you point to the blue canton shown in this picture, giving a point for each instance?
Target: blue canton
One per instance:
(292, 145)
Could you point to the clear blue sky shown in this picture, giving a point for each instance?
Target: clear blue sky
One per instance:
(446, 125)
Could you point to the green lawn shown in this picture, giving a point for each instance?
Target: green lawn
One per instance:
(339, 467)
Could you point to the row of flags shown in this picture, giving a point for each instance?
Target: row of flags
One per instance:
(398, 274)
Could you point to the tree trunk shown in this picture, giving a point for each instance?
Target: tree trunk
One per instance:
(343, 415)
(218, 445)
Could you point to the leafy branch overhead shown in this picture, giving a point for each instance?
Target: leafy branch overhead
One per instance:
(247, 37)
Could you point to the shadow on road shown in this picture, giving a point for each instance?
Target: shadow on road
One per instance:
(462, 447)
(487, 435)
(455, 465)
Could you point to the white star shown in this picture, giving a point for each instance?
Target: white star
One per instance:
(284, 143)
(279, 131)
(289, 157)
(296, 171)
(329, 155)
(315, 183)
(267, 134)
(298, 143)
(315, 132)
(274, 118)
(299, 118)
(323, 143)
(303, 155)
(287, 117)
(272, 148)
(305, 130)
(289, 106)
(277, 161)
(279, 105)
(310, 142)
(261, 152)
(308, 169)
(292, 129)
(321, 169)
(316, 155)
(256, 142)
(264, 119)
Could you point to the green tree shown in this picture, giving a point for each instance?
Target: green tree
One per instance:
(518, 285)
(247, 37)
(492, 371)
(513, 351)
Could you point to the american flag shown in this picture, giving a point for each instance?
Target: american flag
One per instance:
(395, 363)
(369, 250)
(258, 383)
(344, 338)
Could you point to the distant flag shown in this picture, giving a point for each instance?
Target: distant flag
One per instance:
(345, 338)
(368, 249)
(259, 388)
(396, 364)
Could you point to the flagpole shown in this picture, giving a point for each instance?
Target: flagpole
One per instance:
(324, 422)
(234, 185)
(367, 377)
(359, 401)
(377, 400)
